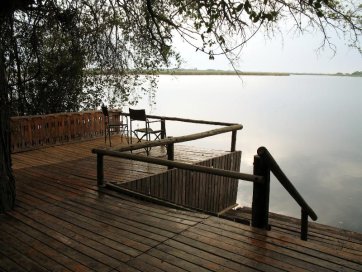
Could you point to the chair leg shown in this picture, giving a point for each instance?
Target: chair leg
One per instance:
(148, 148)
(127, 136)
(124, 133)
(148, 138)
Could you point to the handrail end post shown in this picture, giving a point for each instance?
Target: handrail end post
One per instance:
(261, 192)
(163, 128)
(304, 226)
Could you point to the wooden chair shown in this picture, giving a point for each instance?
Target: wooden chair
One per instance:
(112, 125)
(146, 131)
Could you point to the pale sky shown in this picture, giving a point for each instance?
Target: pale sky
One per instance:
(290, 54)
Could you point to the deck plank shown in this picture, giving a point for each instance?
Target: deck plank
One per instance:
(63, 222)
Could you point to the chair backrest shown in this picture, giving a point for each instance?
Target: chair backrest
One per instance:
(137, 115)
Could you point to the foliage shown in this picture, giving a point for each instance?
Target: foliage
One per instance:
(45, 68)
(224, 26)
(357, 73)
(49, 44)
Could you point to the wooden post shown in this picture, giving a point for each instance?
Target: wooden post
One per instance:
(100, 170)
(304, 226)
(170, 153)
(163, 129)
(233, 140)
(260, 206)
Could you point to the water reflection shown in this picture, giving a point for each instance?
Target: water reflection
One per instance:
(310, 124)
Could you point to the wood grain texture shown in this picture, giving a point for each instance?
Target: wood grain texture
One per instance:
(202, 191)
(64, 222)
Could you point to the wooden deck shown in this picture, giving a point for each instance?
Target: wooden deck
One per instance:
(64, 222)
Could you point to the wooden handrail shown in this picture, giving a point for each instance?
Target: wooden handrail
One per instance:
(283, 179)
(169, 118)
(186, 166)
(266, 164)
(180, 139)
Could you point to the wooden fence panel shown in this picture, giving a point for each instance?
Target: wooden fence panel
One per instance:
(31, 132)
(202, 191)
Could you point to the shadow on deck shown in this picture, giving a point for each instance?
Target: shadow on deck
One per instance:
(64, 222)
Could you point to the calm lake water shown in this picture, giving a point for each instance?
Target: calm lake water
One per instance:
(312, 125)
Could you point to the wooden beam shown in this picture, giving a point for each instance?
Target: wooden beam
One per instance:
(195, 121)
(233, 140)
(283, 179)
(180, 139)
(191, 167)
(261, 193)
(304, 225)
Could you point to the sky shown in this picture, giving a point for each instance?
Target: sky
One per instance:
(287, 54)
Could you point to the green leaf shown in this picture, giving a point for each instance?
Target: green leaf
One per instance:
(317, 5)
(320, 13)
(239, 7)
(247, 6)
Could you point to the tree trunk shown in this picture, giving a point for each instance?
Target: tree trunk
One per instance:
(7, 180)
(19, 83)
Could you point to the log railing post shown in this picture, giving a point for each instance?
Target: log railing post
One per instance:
(170, 153)
(304, 226)
(233, 141)
(261, 191)
(100, 170)
(163, 129)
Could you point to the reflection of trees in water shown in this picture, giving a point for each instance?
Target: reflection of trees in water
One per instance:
(118, 91)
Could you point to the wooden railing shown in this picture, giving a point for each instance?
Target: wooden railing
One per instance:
(264, 163)
(224, 193)
(226, 127)
(170, 141)
(31, 132)
(202, 169)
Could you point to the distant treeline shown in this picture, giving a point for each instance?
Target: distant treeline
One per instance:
(186, 72)
(354, 74)
(357, 73)
(217, 72)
